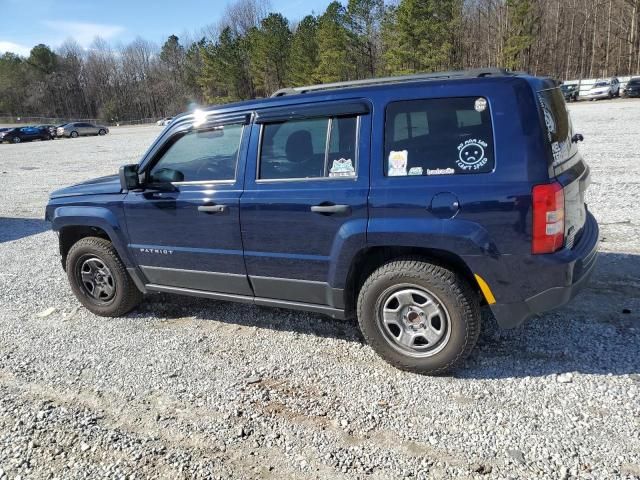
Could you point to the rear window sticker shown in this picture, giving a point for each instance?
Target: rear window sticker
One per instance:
(471, 154)
(480, 104)
(398, 163)
(549, 119)
(415, 171)
(440, 171)
(342, 167)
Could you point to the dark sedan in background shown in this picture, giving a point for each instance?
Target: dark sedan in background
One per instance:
(632, 88)
(24, 134)
(570, 92)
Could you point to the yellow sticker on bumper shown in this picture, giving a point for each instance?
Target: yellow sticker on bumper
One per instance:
(486, 291)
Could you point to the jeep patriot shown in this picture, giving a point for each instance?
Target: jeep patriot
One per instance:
(407, 202)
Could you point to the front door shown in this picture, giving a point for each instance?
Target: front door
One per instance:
(184, 227)
(304, 210)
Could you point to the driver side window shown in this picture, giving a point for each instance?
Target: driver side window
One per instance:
(202, 155)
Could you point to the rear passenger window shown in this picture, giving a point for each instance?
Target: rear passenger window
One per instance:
(442, 136)
(309, 148)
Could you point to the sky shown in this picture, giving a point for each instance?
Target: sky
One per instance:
(51, 22)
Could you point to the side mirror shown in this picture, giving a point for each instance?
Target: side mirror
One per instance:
(129, 177)
(167, 175)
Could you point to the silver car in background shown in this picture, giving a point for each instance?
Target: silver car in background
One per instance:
(604, 88)
(77, 129)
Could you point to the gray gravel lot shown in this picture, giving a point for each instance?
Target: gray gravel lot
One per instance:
(188, 388)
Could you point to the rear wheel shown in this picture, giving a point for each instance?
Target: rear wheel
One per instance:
(73, 134)
(102, 132)
(99, 279)
(419, 316)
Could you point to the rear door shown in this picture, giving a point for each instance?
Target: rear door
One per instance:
(304, 208)
(183, 228)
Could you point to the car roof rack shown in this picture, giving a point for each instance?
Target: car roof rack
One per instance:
(471, 73)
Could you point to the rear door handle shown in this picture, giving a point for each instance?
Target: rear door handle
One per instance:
(330, 209)
(212, 208)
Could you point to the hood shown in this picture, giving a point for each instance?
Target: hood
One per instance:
(96, 186)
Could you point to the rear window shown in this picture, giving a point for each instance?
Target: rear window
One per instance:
(309, 148)
(439, 136)
(557, 125)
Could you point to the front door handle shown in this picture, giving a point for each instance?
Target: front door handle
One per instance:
(212, 208)
(331, 209)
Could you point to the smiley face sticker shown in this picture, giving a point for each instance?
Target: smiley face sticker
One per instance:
(471, 154)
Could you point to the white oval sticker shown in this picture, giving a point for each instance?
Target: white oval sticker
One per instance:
(480, 105)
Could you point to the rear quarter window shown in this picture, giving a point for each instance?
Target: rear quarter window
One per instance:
(441, 136)
(558, 126)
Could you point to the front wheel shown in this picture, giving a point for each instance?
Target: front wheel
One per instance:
(99, 279)
(419, 316)
(16, 140)
(73, 134)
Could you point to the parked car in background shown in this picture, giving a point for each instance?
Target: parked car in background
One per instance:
(163, 122)
(605, 88)
(570, 92)
(52, 129)
(78, 129)
(24, 134)
(389, 199)
(632, 88)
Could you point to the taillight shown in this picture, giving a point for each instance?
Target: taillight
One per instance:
(548, 218)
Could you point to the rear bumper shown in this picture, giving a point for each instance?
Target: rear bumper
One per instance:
(578, 264)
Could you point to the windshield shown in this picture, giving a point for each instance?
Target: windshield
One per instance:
(635, 81)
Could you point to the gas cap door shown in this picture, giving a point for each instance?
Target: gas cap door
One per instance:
(444, 205)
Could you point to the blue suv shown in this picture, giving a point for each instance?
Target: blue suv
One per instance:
(408, 202)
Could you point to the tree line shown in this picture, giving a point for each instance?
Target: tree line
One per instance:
(253, 51)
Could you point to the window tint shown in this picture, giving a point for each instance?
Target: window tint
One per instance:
(201, 155)
(558, 125)
(341, 158)
(441, 136)
(298, 148)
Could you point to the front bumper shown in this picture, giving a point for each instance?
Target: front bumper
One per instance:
(631, 93)
(578, 264)
(597, 96)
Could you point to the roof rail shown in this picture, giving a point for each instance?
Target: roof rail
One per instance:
(472, 73)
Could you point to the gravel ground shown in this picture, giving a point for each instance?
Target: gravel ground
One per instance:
(188, 388)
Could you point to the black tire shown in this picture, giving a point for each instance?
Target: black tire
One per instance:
(16, 140)
(73, 134)
(102, 132)
(126, 295)
(452, 292)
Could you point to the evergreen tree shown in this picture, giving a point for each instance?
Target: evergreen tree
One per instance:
(225, 73)
(365, 18)
(43, 60)
(419, 35)
(269, 53)
(334, 58)
(303, 59)
(523, 20)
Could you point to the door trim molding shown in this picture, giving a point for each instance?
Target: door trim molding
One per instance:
(295, 290)
(267, 302)
(227, 283)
